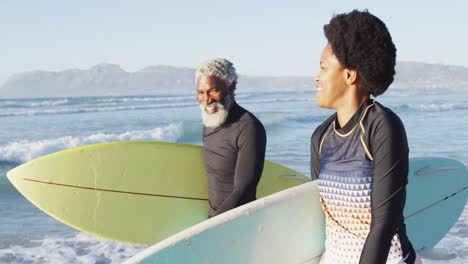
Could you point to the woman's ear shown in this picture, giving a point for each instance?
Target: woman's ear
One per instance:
(350, 77)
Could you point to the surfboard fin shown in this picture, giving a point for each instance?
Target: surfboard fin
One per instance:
(436, 254)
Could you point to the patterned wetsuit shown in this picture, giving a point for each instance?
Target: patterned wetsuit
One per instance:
(362, 173)
(233, 154)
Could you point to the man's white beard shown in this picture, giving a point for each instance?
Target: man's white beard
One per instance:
(218, 118)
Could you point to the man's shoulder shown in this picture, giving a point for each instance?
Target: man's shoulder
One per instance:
(247, 118)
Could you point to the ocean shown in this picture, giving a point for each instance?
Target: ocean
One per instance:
(435, 120)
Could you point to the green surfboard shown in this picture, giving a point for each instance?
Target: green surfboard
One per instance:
(132, 192)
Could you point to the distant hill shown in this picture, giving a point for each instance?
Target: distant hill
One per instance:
(111, 80)
(99, 80)
(430, 76)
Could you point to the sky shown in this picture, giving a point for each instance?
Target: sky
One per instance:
(261, 37)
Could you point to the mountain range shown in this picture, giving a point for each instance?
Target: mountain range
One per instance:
(112, 80)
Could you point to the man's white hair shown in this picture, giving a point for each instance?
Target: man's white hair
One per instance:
(219, 68)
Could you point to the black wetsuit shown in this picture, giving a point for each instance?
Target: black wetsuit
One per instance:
(233, 154)
(362, 172)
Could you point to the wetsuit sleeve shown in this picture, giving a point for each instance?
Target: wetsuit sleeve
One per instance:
(315, 147)
(249, 165)
(389, 147)
(314, 155)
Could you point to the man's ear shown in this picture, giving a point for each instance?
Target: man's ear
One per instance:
(232, 88)
(351, 77)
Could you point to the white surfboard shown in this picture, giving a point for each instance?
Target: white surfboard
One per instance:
(288, 227)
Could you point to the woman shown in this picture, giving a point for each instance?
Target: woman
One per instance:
(360, 154)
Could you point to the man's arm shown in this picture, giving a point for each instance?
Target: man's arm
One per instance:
(249, 165)
(389, 148)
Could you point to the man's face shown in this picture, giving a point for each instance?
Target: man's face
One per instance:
(330, 81)
(214, 101)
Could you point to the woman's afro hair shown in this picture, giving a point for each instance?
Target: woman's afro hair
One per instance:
(361, 42)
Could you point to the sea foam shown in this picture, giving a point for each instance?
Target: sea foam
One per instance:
(77, 248)
(24, 150)
(89, 109)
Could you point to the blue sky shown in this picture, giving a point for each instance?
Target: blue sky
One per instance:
(275, 38)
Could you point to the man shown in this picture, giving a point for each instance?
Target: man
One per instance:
(234, 139)
(360, 154)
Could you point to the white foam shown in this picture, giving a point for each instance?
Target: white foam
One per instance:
(8, 103)
(456, 241)
(442, 107)
(144, 99)
(103, 108)
(274, 119)
(49, 103)
(277, 100)
(29, 104)
(79, 248)
(24, 150)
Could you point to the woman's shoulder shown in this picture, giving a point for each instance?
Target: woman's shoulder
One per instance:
(379, 115)
(320, 130)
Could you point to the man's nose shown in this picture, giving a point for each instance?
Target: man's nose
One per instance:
(205, 98)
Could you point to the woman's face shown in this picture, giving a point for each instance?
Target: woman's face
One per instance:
(330, 81)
